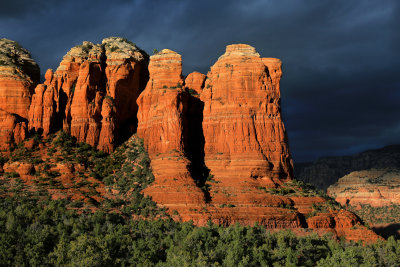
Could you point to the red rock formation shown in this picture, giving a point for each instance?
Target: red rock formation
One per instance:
(86, 104)
(161, 126)
(217, 143)
(12, 129)
(19, 75)
(239, 137)
(93, 93)
(195, 81)
(245, 139)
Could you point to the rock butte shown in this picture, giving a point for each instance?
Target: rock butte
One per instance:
(217, 143)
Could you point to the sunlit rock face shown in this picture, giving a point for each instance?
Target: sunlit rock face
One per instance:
(92, 94)
(162, 107)
(19, 75)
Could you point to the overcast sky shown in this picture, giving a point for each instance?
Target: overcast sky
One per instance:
(341, 83)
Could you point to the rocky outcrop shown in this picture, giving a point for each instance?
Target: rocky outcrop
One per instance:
(245, 139)
(374, 187)
(161, 125)
(194, 82)
(92, 95)
(13, 129)
(19, 75)
(374, 195)
(218, 146)
(326, 171)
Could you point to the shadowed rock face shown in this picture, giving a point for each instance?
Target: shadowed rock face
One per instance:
(19, 75)
(92, 95)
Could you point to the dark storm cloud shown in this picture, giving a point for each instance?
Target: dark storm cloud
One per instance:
(340, 89)
(20, 8)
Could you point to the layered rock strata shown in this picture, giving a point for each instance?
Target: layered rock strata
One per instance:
(161, 124)
(245, 139)
(92, 94)
(374, 187)
(19, 75)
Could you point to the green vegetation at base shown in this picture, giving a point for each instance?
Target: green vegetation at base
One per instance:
(129, 172)
(125, 172)
(45, 232)
(129, 229)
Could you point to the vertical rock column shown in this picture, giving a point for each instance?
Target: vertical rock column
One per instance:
(160, 116)
(245, 139)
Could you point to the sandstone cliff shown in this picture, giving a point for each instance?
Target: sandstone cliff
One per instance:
(93, 93)
(19, 75)
(161, 121)
(244, 134)
(223, 133)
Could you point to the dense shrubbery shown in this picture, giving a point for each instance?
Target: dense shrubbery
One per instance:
(130, 177)
(377, 215)
(34, 232)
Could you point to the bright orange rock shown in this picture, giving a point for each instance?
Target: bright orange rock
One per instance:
(195, 81)
(92, 75)
(19, 75)
(12, 129)
(235, 133)
(161, 126)
(245, 139)
(217, 143)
